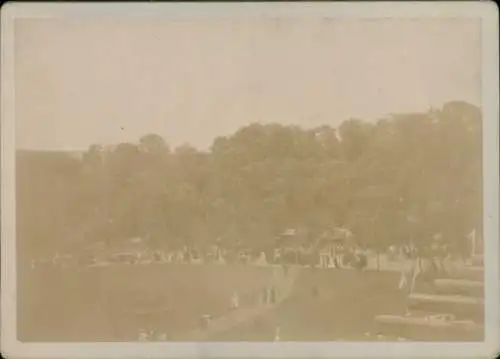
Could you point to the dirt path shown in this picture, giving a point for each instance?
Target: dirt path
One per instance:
(283, 285)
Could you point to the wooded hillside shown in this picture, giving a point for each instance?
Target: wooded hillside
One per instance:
(403, 176)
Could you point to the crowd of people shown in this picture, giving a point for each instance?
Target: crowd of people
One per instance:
(415, 260)
(333, 256)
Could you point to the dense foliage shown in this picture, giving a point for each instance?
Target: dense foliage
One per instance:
(404, 176)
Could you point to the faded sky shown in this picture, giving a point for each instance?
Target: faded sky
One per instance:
(84, 82)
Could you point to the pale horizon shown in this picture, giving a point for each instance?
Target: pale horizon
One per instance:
(88, 82)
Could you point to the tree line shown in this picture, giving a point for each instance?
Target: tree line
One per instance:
(403, 177)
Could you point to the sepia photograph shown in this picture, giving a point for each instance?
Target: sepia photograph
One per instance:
(249, 175)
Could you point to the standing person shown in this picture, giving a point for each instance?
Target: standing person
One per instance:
(277, 332)
(333, 257)
(265, 295)
(324, 257)
(403, 281)
(428, 256)
(444, 258)
(277, 255)
(361, 259)
(416, 265)
(427, 261)
(235, 303)
(272, 294)
(336, 256)
(341, 251)
(440, 253)
(447, 257)
(472, 245)
(410, 268)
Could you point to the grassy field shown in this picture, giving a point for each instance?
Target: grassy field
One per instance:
(113, 303)
(342, 307)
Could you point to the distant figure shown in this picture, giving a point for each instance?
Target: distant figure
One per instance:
(235, 303)
(443, 257)
(429, 262)
(265, 296)
(392, 253)
(272, 295)
(447, 259)
(405, 271)
(277, 336)
(324, 259)
(277, 255)
(349, 259)
(261, 261)
(435, 256)
(427, 269)
(269, 295)
(335, 260)
(410, 269)
(361, 261)
(472, 244)
(157, 257)
(219, 255)
(338, 254)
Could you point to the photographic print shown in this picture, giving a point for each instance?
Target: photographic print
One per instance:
(285, 179)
